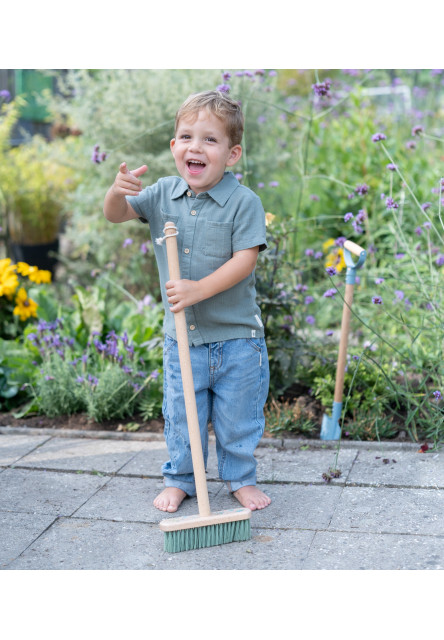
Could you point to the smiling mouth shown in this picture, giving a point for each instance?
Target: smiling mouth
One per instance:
(195, 166)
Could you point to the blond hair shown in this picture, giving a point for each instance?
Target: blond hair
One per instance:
(219, 104)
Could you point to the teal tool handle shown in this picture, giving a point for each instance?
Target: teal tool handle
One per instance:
(349, 248)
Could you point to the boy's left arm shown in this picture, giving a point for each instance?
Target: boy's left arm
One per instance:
(184, 293)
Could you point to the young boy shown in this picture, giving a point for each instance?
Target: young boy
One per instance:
(221, 229)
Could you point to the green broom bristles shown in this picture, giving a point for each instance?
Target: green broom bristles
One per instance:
(209, 536)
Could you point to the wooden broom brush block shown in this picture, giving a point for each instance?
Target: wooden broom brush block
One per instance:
(218, 517)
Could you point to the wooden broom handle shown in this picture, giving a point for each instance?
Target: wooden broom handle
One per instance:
(187, 379)
(343, 342)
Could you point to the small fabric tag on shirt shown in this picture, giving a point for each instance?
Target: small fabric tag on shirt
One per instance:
(253, 333)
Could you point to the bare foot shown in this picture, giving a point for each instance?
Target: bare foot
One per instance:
(169, 499)
(252, 497)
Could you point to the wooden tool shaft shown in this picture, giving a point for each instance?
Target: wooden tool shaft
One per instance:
(187, 381)
(343, 342)
(353, 247)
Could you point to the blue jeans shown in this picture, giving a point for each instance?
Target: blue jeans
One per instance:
(231, 380)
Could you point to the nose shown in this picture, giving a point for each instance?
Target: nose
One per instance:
(195, 144)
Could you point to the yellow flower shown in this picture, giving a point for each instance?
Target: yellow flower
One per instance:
(25, 306)
(336, 259)
(24, 269)
(8, 278)
(39, 276)
(269, 217)
(327, 244)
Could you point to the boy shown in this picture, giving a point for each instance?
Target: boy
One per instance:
(221, 229)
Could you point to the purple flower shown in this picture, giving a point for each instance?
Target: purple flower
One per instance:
(440, 260)
(260, 185)
(329, 332)
(330, 293)
(418, 231)
(399, 256)
(322, 88)
(154, 374)
(223, 88)
(339, 242)
(144, 248)
(362, 189)
(331, 271)
(348, 216)
(357, 227)
(127, 242)
(239, 176)
(427, 225)
(399, 294)
(309, 252)
(378, 136)
(272, 73)
(226, 76)
(308, 299)
(273, 183)
(310, 320)
(426, 205)
(377, 300)
(314, 197)
(410, 144)
(4, 93)
(318, 255)
(417, 130)
(437, 395)
(80, 379)
(391, 204)
(392, 167)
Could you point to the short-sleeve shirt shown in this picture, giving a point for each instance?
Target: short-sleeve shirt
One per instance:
(211, 227)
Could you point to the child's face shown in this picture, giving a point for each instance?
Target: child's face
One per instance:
(202, 150)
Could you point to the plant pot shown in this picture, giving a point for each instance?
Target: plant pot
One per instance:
(36, 255)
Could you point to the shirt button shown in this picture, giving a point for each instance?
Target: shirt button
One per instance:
(192, 327)
(186, 251)
(188, 193)
(193, 212)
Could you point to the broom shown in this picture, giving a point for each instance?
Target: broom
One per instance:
(206, 529)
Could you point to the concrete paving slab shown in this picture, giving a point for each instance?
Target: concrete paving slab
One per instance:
(149, 462)
(387, 510)
(131, 499)
(18, 531)
(102, 545)
(399, 467)
(13, 447)
(46, 492)
(354, 551)
(278, 465)
(82, 454)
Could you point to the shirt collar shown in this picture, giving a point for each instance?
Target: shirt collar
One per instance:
(220, 193)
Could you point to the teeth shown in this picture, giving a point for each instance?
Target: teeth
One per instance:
(195, 162)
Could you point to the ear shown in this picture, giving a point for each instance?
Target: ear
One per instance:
(172, 143)
(234, 156)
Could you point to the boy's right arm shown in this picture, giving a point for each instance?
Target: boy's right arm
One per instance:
(116, 207)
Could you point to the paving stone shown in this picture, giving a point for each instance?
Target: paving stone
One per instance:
(277, 465)
(46, 492)
(386, 510)
(149, 462)
(85, 454)
(399, 467)
(101, 545)
(131, 499)
(354, 551)
(13, 447)
(18, 531)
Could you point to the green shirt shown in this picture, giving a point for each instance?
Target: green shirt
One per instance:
(211, 227)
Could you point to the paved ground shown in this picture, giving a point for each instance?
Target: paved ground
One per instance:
(78, 500)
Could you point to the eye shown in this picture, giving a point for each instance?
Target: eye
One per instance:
(210, 139)
(185, 136)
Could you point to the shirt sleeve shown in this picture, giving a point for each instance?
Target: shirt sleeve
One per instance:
(146, 202)
(249, 223)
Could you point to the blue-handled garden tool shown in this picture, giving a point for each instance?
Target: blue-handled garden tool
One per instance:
(330, 429)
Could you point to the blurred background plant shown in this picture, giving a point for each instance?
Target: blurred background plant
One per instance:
(333, 154)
